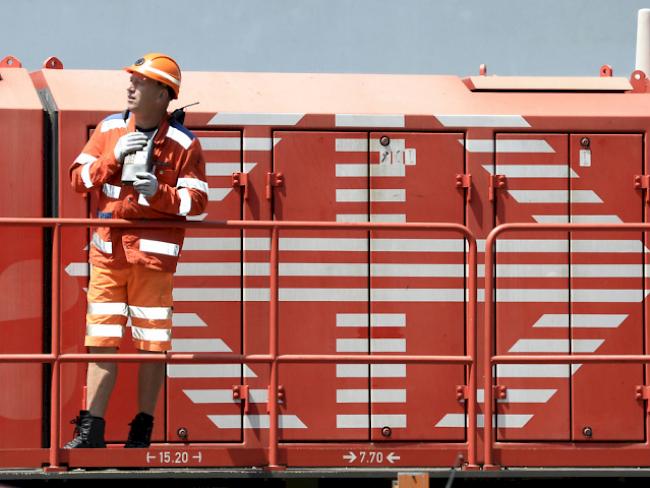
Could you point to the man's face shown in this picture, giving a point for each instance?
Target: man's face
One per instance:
(145, 95)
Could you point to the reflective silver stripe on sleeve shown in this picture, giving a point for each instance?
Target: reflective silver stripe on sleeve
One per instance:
(104, 246)
(186, 202)
(107, 308)
(104, 330)
(159, 247)
(151, 334)
(85, 175)
(178, 136)
(85, 158)
(151, 313)
(111, 191)
(112, 124)
(193, 183)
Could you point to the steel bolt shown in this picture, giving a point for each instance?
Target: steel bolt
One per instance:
(587, 432)
(384, 140)
(386, 431)
(182, 432)
(585, 142)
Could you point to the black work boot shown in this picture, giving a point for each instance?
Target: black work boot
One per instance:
(89, 431)
(140, 433)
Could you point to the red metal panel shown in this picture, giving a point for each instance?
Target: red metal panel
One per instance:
(323, 282)
(21, 273)
(207, 307)
(532, 286)
(417, 281)
(606, 285)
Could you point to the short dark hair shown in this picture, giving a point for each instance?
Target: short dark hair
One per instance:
(170, 92)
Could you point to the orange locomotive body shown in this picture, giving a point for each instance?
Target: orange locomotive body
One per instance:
(478, 152)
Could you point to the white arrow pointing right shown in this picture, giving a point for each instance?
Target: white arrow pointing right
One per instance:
(350, 457)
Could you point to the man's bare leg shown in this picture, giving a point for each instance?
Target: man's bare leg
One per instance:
(150, 380)
(100, 382)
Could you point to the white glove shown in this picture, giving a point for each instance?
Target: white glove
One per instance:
(146, 184)
(129, 143)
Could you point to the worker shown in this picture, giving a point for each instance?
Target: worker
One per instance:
(141, 164)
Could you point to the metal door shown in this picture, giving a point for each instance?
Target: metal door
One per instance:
(323, 283)
(532, 286)
(207, 307)
(416, 286)
(606, 314)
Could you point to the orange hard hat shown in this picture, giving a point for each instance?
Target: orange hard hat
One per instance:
(159, 67)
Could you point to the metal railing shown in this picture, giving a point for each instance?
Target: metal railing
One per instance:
(274, 357)
(491, 360)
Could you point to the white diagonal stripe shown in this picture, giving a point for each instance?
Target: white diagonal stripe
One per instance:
(351, 145)
(376, 320)
(243, 118)
(555, 196)
(260, 143)
(209, 371)
(532, 170)
(369, 120)
(507, 145)
(377, 395)
(255, 421)
(218, 194)
(578, 219)
(486, 120)
(417, 295)
(220, 143)
(376, 345)
(221, 169)
(255, 395)
(509, 421)
(187, 320)
(199, 345)
(532, 371)
(556, 345)
(377, 421)
(388, 370)
(521, 395)
(585, 321)
(387, 218)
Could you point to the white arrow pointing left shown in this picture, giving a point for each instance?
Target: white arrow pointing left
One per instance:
(392, 457)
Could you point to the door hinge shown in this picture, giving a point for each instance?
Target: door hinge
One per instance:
(465, 181)
(642, 393)
(240, 180)
(461, 393)
(500, 392)
(240, 393)
(497, 182)
(642, 182)
(273, 180)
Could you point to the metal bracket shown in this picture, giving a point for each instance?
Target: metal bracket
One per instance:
(496, 182)
(281, 396)
(465, 181)
(240, 393)
(500, 392)
(642, 393)
(642, 182)
(240, 180)
(461, 393)
(273, 180)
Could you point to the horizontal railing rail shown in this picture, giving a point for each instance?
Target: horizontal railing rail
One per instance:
(274, 357)
(490, 359)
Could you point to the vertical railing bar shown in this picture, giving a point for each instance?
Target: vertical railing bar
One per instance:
(471, 336)
(56, 349)
(273, 351)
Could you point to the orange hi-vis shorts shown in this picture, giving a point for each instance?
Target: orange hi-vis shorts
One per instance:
(141, 293)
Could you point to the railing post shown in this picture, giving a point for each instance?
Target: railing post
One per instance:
(487, 353)
(273, 352)
(56, 350)
(472, 350)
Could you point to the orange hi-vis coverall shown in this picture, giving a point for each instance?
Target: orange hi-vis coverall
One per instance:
(132, 268)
